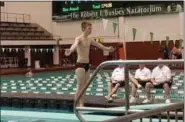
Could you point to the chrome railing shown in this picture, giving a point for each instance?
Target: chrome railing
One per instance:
(15, 17)
(126, 63)
(159, 112)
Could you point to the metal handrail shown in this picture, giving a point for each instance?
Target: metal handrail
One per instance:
(149, 113)
(118, 62)
(26, 18)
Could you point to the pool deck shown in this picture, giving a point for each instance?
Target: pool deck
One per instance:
(91, 101)
(9, 71)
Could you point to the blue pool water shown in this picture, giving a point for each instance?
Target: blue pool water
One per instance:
(41, 115)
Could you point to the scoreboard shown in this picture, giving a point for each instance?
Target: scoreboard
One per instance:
(65, 10)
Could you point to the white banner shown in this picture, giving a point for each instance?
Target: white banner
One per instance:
(144, 36)
(174, 41)
(47, 50)
(105, 23)
(10, 49)
(16, 49)
(41, 50)
(105, 53)
(3, 49)
(160, 41)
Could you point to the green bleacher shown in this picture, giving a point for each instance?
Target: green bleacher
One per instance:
(63, 82)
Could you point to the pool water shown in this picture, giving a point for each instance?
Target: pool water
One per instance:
(41, 115)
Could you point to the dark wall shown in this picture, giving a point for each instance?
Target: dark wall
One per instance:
(13, 53)
(134, 51)
(146, 50)
(46, 58)
(96, 55)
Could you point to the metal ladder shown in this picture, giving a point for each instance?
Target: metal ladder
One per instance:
(126, 63)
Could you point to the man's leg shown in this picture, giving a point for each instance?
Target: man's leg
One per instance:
(80, 76)
(114, 90)
(148, 87)
(135, 81)
(109, 88)
(167, 92)
(87, 76)
(133, 94)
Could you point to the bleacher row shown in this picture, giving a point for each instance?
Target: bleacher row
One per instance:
(23, 31)
(65, 83)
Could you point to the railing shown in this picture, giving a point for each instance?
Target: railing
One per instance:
(159, 112)
(9, 62)
(116, 62)
(15, 17)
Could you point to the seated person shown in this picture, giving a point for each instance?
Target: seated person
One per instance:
(165, 51)
(29, 73)
(142, 75)
(160, 78)
(176, 52)
(117, 80)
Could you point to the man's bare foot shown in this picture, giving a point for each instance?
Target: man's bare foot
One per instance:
(139, 86)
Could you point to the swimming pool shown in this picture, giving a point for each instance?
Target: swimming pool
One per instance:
(63, 83)
(41, 115)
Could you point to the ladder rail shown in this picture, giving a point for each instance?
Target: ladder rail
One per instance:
(118, 62)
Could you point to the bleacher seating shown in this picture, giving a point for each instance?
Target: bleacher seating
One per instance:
(65, 83)
(23, 31)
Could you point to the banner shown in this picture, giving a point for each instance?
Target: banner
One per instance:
(105, 53)
(160, 41)
(144, 34)
(10, 49)
(174, 41)
(16, 49)
(53, 50)
(3, 49)
(181, 43)
(134, 30)
(105, 23)
(167, 40)
(47, 50)
(115, 25)
(126, 29)
(41, 50)
(151, 37)
(71, 13)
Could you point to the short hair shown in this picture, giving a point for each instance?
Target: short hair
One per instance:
(85, 24)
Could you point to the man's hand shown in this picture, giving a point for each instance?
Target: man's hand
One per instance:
(111, 49)
(155, 83)
(67, 52)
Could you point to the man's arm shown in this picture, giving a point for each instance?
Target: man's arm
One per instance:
(100, 46)
(74, 45)
(136, 75)
(148, 77)
(153, 76)
(113, 74)
(169, 75)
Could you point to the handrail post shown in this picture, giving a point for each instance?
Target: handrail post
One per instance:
(23, 19)
(7, 17)
(77, 98)
(126, 88)
(126, 63)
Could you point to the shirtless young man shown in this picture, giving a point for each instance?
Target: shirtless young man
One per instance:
(82, 46)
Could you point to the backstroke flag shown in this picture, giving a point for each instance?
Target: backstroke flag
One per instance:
(105, 23)
(151, 37)
(167, 40)
(115, 25)
(134, 30)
